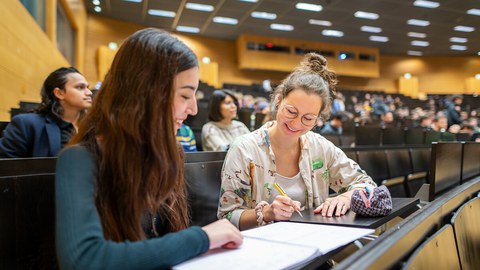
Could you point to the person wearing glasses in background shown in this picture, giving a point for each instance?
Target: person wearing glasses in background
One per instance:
(286, 152)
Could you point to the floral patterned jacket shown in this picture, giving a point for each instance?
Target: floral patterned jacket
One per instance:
(249, 172)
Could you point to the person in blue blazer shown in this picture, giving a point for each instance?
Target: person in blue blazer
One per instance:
(42, 133)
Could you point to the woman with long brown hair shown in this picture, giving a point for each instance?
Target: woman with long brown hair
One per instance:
(120, 192)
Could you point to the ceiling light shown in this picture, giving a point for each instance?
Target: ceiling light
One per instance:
(96, 2)
(379, 38)
(458, 47)
(97, 9)
(161, 13)
(426, 4)
(417, 35)
(188, 29)
(332, 33)
(134, 1)
(462, 28)
(371, 29)
(281, 27)
(320, 22)
(250, 1)
(458, 40)
(206, 60)
(418, 22)
(420, 43)
(225, 20)
(366, 15)
(309, 7)
(474, 11)
(264, 15)
(416, 53)
(477, 76)
(407, 76)
(200, 7)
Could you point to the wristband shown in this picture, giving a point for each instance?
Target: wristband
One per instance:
(258, 211)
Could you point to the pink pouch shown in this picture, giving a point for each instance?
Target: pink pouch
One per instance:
(371, 204)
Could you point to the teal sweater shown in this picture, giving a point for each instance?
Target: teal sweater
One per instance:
(79, 236)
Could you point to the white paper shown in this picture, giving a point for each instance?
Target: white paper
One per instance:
(323, 237)
(281, 245)
(253, 254)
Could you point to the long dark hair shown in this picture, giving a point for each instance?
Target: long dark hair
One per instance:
(130, 130)
(50, 103)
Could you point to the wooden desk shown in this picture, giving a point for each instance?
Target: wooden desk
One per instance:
(400, 206)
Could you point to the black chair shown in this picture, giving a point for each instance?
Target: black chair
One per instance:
(192, 157)
(471, 161)
(462, 137)
(335, 139)
(203, 181)
(393, 136)
(414, 136)
(374, 163)
(259, 117)
(245, 116)
(27, 166)
(351, 154)
(420, 164)
(196, 122)
(368, 135)
(27, 222)
(347, 139)
(399, 168)
(432, 136)
(3, 125)
(445, 167)
(467, 233)
(448, 137)
(437, 252)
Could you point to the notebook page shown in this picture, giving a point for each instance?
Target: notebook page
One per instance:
(253, 254)
(323, 237)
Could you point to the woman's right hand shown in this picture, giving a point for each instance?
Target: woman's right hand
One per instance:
(281, 208)
(222, 233)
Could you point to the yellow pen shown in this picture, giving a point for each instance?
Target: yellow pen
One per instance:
(280, 190)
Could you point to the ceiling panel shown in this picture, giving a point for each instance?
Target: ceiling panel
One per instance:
(393, 21)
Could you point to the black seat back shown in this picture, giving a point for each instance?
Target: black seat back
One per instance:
(203, 181)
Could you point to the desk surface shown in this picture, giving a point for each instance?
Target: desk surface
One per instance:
(400, 206)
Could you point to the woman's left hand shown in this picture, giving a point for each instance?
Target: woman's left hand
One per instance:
(339, 204)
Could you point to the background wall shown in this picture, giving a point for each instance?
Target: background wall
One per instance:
(27, 54)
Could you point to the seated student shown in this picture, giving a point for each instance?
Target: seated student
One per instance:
(186, 138)
(120, 191)
(334, 126)
(65, 97)
(222, 129)
(286, 152)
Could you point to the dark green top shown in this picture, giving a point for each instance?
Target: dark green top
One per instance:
(79, 236)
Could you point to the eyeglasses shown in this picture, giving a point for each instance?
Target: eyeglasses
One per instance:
(308, 119)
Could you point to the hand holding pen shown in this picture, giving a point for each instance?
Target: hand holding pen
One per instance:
(288, 203)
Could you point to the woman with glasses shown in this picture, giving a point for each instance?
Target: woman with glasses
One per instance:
(219, 133)
(285, 153)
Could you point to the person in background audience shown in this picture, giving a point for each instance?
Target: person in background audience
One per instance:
(65, 98)
(473, 121)
(186, 138)
(388, 120)
(425, 122)
(222, 129)
(440, 123)
(334, 126)
(120, 190)
(286, 152)
(453, 110)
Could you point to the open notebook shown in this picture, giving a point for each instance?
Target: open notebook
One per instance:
(281, 245)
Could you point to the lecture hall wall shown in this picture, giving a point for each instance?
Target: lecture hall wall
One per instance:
(28, 55)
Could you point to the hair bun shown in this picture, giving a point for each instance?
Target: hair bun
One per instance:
(314, 62)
